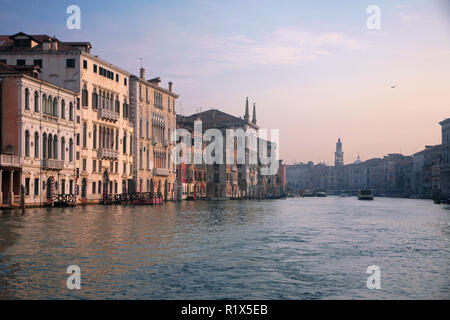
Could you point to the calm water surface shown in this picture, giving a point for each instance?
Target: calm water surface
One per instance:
(312, 248)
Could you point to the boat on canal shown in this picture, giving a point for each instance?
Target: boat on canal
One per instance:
(365, 194)
(321, 193)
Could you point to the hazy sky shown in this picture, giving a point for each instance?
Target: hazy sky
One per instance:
(313, 68)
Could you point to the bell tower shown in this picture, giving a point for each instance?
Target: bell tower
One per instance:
(339, 154)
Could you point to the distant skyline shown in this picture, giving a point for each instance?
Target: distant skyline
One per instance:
(315, 71)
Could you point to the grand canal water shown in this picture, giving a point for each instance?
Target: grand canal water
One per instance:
(311, 248)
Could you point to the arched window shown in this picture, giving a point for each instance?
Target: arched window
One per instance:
(83, 188)
(84, 96)
(36, 101)
(117, 105)
(55, 147)
(124, 142)
(84, 135)
(117, 139)
(71, 111)
(131, 144)
(36, 145)
(70, 149)
(63, 109)
(49, 105)
(44, 146)
(63, 149)
(49, 147)
(94, 141)
(55, 107)
(148, 157)
(27, 143)
(27, 99)
(44, 103)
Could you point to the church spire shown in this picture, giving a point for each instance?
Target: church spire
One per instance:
(254, 114)
(246, 116)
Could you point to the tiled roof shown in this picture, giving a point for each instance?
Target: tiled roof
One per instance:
(215, 117)
(7, 44)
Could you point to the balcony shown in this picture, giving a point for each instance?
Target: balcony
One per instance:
(106, 114)
(161, 172)
(52, 164)
(106, 153)
(8, 160)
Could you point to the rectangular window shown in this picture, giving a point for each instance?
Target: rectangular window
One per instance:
(117, 78)
(71, 186)
(63, 186)
(20, 62)
(36, 186)
(117, 167)
(124, 81)
(84, 64)
(27, 186)
(84, 164)
(78, 155)
(94, 165)
(70, 63)
(3, 61)
(37, 63)
(99, 187)
(78, 139)
(124, 168)
(93, 187)
(95, 68)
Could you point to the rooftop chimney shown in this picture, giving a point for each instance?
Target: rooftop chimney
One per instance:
(170, 86)
(142, 70)
(54, 43)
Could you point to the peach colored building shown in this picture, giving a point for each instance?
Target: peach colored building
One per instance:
(104, 128)
(38, 134)
(155, 123)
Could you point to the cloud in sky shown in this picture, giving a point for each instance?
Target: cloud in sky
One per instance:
(281, 47)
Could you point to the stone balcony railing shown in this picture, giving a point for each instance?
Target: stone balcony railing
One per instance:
(9, 160)
(107, 114)
(161, 172)
(52, 164)
(106, 153)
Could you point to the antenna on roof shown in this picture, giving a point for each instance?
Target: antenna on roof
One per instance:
(142, 60)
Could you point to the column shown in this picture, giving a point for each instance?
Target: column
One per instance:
(11, 186)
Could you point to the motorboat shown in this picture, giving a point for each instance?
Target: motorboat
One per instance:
(365, 194)
(321, 193)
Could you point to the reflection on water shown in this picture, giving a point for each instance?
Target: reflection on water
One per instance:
(312, 248)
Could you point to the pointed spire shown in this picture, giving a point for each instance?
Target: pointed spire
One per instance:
(254, 114)
(246, 116)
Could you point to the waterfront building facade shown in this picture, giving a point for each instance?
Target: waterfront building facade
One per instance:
(38, 137)
(234, 180)
(102, 116)
(154, 119)
(444, 166)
